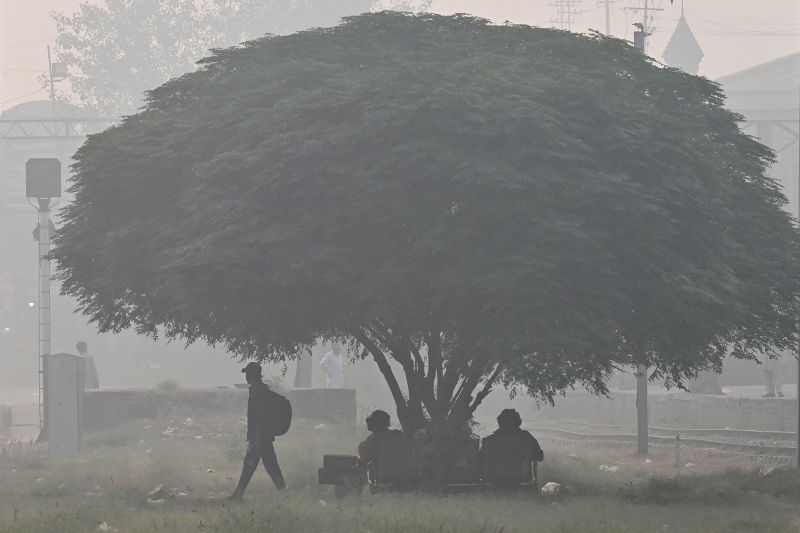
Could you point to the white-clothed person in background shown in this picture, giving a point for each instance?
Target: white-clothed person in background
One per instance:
(333, 365)
(773, 376)
(92, 381)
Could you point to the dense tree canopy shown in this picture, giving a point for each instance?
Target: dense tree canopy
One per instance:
(475, 202)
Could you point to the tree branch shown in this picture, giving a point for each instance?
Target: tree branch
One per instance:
(386, 370)
(487, 388)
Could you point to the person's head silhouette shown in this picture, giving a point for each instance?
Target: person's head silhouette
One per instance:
(82, 348)
(509, 419)
(252, 372)
(378, 421)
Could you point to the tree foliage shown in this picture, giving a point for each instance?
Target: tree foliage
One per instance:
(477, 203)
(118, 49)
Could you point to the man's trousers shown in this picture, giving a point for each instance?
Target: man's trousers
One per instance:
(260, 452)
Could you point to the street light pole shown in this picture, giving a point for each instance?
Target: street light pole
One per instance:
(43, 183)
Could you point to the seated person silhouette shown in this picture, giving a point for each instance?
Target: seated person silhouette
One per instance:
(369, 451)
(506, 455)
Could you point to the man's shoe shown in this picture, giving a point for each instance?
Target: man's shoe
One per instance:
(235, 497)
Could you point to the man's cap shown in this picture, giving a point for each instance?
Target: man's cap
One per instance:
(252, 366)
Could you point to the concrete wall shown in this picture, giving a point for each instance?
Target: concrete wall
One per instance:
(109, 408)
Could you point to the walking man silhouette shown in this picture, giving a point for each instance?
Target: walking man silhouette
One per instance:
(260, 439)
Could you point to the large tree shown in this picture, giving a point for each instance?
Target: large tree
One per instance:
(117, 49)
(477, 203)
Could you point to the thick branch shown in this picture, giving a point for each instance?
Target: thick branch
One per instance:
(401, 350)
(434, 343)
(385, 368)
(420, 364)
(487, 388)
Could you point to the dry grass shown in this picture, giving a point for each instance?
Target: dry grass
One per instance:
(109, 480)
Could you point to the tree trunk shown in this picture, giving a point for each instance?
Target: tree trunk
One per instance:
(438, 396)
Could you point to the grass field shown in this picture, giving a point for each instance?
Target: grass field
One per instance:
(105, 489)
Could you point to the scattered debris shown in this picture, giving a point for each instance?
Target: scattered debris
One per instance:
(175, 492)
(648, 461)
(766, 470)
(210, 470)
(607, 468)
(156, 494)
(320, 426)
(689, 465)
(323, 503)
(551, 488)
(105, 527)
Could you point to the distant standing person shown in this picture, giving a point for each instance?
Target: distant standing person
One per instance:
(92, 380)
(333, 366)
(773, 376)
(302, 376)
(261, 413)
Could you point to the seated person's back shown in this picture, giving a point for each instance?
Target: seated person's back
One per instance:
(507, 454)
(378, 424)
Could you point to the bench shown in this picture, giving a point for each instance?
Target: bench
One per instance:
(499, 465)
(343, 472)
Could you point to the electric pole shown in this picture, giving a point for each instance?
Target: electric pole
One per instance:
(607, 4)
(645, 24)
(642, 433)
(566, 11)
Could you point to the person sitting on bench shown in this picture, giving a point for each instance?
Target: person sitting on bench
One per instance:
(506, 455)
(378, 423)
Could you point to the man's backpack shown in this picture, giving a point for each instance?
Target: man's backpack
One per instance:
(280, 413)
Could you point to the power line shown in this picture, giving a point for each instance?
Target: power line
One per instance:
(22, 69)
(21, 97)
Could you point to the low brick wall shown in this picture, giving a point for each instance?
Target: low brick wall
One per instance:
(680, 410)
(109, 408)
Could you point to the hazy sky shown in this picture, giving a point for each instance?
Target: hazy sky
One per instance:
(734, 34)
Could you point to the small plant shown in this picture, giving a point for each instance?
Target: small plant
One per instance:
(168, 385)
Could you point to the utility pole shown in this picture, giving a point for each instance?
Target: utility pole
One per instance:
(646, 28)
(566, 11)
(607, 4)
(642, 436)
(52, 85)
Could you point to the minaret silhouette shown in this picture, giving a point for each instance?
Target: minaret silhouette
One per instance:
(683, 51)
